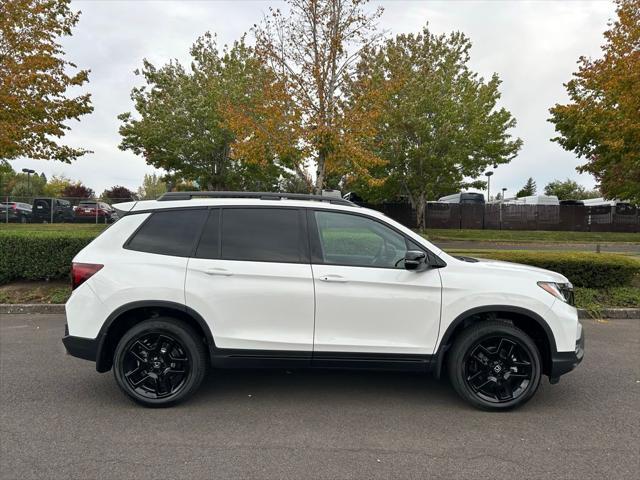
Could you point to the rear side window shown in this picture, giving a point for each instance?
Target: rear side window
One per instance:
(263, 235)
(209, 246)
(169, 233)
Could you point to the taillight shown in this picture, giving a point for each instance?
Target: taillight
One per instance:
(81, 272)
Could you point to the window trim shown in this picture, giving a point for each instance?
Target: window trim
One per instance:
(126, 244)
(316, 246)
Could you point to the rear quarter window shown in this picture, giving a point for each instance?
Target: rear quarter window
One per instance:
(172, 232)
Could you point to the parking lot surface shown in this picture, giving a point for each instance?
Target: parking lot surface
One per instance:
(61, 419)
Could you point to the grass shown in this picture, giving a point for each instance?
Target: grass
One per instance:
(35, 292)
(84, 229)
(525, 236)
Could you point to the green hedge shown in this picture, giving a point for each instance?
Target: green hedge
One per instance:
(31, 255)
(591, 270)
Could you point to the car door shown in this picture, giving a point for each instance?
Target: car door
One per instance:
(251, 280)
(366, 301)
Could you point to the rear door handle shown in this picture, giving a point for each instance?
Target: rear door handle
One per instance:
(218, 271)
(333, 278)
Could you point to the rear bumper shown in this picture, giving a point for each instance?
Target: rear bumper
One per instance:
(85, 348)
(564, 362)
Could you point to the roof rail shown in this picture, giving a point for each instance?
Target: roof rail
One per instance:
(171, 196)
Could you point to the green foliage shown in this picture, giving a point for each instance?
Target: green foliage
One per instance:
(440, 122)
(591, 270)
(152, 187)
(528, 236)
(184, 117)
(27, 185)
(569, 190)
(56, 186)
(529, 189)
(39, 255)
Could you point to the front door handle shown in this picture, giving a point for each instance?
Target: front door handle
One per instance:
(333, 278)
(218, 271)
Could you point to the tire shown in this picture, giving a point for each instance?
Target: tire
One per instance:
(494, 365)
(160, 362)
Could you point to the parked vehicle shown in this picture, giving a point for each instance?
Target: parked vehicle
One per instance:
(195, 280)
(15, 212)
(536, 200)
(94, 211)
(464, 197)
(42, 211)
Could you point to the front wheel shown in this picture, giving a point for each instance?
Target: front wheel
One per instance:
(494, 365)
(160, 362)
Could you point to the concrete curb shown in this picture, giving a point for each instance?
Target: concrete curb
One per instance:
(55, 309)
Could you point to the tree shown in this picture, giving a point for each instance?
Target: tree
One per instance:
(224, 123)
(528, 189)
(118, 193)
(7, 178)
(440, 124)
(34, 77)
(77, 190)
(569, 190)
(314, 49)
(25, 185)
(152, 187)
(56, 186)
(602, 121)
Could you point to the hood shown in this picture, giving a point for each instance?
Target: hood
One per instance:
(497, 265)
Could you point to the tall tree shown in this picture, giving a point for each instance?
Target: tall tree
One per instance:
(152, 187)
(56, 185)
(77, 191)
(602, 121)
(528, 189)
(569, 190)
(440, 124)
(314, 49)
(34, 78)
(223, 123)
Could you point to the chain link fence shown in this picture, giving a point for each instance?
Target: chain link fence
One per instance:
(42, 209)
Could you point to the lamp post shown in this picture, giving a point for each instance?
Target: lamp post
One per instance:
(28, 171)
(488, 175)
(504, 189)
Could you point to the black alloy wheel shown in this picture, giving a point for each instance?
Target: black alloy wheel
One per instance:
(160, 362)
(494, 365)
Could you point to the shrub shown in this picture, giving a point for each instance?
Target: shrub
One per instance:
(39, 255)
(591, 270)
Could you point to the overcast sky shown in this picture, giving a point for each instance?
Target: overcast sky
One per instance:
(532, 45)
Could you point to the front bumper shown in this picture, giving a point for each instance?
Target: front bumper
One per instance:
(564, 362)
(85, 348)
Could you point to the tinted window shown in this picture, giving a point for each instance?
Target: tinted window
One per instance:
(209, 246)
(360, 242)
(262, 234)
(169, 233)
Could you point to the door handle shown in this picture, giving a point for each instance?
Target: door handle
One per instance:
(218, 271)
(333, 278)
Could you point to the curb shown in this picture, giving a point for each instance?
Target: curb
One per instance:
(58, 308)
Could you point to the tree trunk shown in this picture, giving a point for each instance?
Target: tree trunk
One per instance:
(421, 207)
(320, 173)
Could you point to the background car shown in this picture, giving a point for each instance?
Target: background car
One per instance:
(15, 212)
(90, 210)
(42, 211)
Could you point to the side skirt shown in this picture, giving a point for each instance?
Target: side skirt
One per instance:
(235, 358)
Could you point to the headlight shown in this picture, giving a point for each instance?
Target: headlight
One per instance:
(562, 291)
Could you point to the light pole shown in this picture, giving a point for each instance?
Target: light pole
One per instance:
(488, 175)
(28, 171)
(504, 189)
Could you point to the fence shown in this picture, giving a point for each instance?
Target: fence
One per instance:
(579, 218)
(38, 209)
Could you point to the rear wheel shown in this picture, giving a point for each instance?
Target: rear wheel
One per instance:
(160, 362)
(494, 366)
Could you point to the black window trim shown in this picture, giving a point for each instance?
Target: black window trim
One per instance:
(151, 212)
(315, 245)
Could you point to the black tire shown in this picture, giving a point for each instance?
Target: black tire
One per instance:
(494, 365)
(160, 362)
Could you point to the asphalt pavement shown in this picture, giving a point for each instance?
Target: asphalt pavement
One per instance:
(61, 419)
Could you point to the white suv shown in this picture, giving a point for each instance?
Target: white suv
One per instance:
(227, 279)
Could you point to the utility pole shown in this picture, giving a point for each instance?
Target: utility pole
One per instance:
(28, 171)
(488, 174)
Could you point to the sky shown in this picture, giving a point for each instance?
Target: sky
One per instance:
(532, 45)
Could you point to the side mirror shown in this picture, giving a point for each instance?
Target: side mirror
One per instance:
(415, 260)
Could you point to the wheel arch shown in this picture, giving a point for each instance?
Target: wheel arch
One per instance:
(530, 322)
(128, 315)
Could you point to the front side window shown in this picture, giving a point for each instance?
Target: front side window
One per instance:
(358, 241)
(262, 235)
(172, 232)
